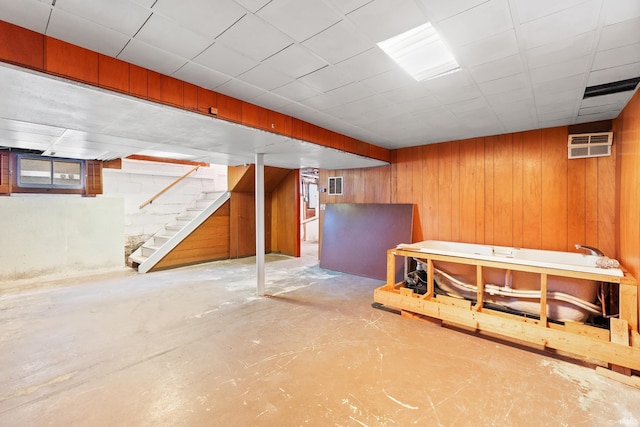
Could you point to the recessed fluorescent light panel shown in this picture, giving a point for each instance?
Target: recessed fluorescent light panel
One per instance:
(421, 53)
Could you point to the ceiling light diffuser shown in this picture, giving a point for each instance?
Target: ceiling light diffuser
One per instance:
(421, 53)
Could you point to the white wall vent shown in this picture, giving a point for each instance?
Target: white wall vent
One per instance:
(590, 145)
(335, 186)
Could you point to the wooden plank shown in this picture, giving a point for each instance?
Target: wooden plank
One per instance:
(171, 91)
(444, 191)
(154, 86)
(532, 190)
(576, 192)
(503, 190)
(229, 108)
(418, 195)
(207, 99)
(619, 331)
(70, 61)
(607, 203)
(582, 329)
(138, 81)
(431, 207)
(21, 46)
(420, 318)
(468, 191)
(480, 191)
(630, 380)
(5, 177)
(113, 74)
(554, 183)
(479, 289)
(543, 299)
(190, 96)
(489, 191)
(456, 204)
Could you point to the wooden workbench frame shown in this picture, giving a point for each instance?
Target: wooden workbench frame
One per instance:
(619, 346)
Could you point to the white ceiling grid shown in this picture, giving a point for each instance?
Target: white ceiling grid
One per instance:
(524, 64)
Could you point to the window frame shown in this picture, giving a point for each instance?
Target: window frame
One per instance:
(48, 187)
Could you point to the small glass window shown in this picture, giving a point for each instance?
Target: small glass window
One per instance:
(36, 172)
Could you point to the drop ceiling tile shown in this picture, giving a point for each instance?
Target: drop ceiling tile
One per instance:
(500, 68)
(561, 50)
(30, 14)
(483, 21)
(617, 57)
(620, 34)
(383, 19)
(252, 5)
(338, 42)
(367, 64)
(390, 80)
(620, 98)
(271, 101)
(81, 32)
(326, 79)
(498, 100)
(225, 60)
(265, 77)
(437, 10)
(596, 117)
(240, 90)
(168, 35)
(460, 94)
(144, 55)
(300, 19)
(620, 10)
(554, 99)
(145, 3)
(470, 105)
(352, 92)
(28, 128)
(24, 144)
(296, 91)
(201, 76)
(570, 83)
(122, 16)
(347, 6)
(561, 25)
(614, 74)
(531, 10)
(598, 109)
(560, 70)
(490, 49)
(204, 17)
(323, 101)
(255, 38)
(295, 61)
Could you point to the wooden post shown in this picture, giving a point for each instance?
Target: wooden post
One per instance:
(391, 267)
(480, 289)
(430, 280)
(543, 299)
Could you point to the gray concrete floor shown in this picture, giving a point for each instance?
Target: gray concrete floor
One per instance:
(196, 347)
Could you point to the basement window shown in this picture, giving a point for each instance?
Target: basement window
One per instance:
(335, 186)
(38, 172)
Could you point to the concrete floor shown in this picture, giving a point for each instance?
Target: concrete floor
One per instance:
(196, 347)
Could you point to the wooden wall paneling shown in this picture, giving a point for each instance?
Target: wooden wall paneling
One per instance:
(503, 190)
(607, 204)
(113, 74)
(554, 185)
(241, 178)
(268, 220)
(626, 137)
(5, 177)
(21, 46)
(577, 189)
(489, 190)
(518, 199)
(229, 108)
(207, 99)
(209, 242)
(468, 178)
(430, 187)
(242, 241)
(394, 176)
(418, 194)
(154, 86)
(532, 189)
(444, 191)
(93, 177)
(251, 115)
(456, 205)
(285, 219)
(278, 123)
(171, 91)
(591, 202)
(380, 184)
(404, 171)
(70, 61)
(190, 97)
(138, 81)
(480, 191)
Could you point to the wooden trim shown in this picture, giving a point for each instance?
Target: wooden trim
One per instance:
(33, 50)
(5, 173)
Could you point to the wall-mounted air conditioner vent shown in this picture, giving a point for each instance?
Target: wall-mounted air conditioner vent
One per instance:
(590, 145)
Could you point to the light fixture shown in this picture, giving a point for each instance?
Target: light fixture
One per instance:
(421, 53)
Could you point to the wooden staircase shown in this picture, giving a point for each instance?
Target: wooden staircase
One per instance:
(164, 241)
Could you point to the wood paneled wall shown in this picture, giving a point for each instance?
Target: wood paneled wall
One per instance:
(282, 211)
(285, 215)
(36, 51)
(209, 242)
(517, 190)
(627, 139)
(514, 190)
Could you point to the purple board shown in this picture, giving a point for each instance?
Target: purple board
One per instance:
(356, 237)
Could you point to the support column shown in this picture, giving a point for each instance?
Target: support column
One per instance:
(260, 246)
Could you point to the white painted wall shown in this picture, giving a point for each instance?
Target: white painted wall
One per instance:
(59, 235)
(138, 180)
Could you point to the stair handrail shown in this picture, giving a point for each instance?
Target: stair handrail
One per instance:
(164, 190)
